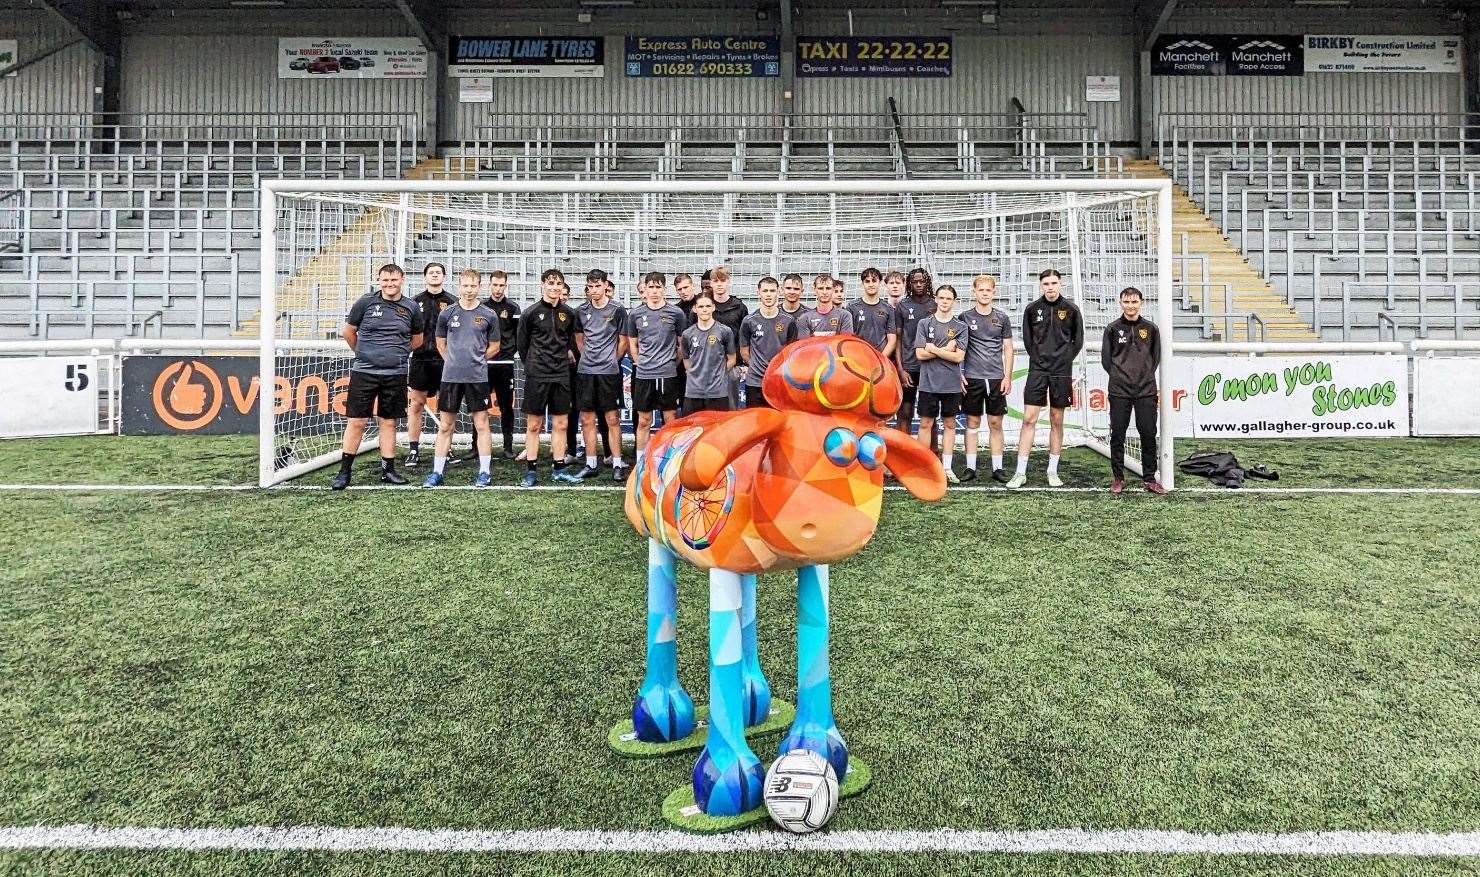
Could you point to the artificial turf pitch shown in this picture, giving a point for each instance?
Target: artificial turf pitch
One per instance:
(1209, 663)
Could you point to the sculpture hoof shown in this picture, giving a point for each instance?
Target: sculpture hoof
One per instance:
(663, 715)
(731, 790)
(757, 699)
(825, 741)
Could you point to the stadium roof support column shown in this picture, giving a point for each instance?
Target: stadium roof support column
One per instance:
(1151, 20)
(429, 22)
(97, 25)
(788, 59)
(1471, 79)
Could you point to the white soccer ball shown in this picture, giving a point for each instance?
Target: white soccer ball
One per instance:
(801, 791)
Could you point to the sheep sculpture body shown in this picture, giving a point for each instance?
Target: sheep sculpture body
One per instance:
(797, 486)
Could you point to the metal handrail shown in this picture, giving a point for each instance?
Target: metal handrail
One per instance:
(1382, 317)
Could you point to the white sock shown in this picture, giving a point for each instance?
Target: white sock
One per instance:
(996, 462)
(1022, 467)
(591, 462)
(1053, 464)
(438, 464)
(945, 459)
(971, 460)
(616, 461)
(484, 461)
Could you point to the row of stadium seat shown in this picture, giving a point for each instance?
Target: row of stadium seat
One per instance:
(1362, 239)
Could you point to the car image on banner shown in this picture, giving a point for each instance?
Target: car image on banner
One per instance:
(351, 57)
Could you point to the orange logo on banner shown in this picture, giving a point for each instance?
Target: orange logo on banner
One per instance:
(192, 400)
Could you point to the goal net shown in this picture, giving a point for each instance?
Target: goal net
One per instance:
(322, 242)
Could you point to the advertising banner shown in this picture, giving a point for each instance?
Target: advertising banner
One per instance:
(475, 90)
(874, 56)
(529, 56)
(684, 56)
(1300, 396)
(50, 395)
(1446, 395)
(218, 395)
(351, 58)
(1363, 53)
(1228, 55)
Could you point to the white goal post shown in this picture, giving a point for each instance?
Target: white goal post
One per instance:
(319, 238)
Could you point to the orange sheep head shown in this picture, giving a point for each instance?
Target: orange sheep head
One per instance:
(833, 374)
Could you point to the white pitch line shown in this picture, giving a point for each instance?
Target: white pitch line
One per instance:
(555, 840)
(613, 488)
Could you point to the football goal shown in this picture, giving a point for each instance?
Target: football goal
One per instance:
(322, 241)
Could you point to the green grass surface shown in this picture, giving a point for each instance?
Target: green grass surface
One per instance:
(1206, 663)
(1413, 462)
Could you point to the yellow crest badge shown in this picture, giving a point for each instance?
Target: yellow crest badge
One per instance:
(1143, 333)
(1063, 314)
(560, 317)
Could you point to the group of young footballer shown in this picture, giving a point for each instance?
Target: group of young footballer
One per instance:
(708, 351)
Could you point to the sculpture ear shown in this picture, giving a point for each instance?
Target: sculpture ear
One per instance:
(724, 441)
(912, 463)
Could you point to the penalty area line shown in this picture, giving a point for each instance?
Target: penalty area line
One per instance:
(554, 840)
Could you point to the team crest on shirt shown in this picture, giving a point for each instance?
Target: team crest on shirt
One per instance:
(712, 339)
(560, 317)
(1142, 334)
(1063, 313)
(479, 321)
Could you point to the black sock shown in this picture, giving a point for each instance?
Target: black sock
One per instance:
(387, 464)
(531, 465)
(346, 462)
(415, 446)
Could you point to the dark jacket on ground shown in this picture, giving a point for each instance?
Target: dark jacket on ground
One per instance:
(547, 341)
(1053, 334)
(428, 305)
(1131, 353)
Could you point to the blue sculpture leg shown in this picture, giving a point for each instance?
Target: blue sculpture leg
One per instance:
(757, 689)
(663, 711)
(728, 776)
(814, 728)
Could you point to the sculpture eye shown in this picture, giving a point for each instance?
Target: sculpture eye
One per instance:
(841, 446)
(871, 451)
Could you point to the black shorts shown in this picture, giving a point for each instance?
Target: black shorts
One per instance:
(382, 396)
(984, 396)
(934, 405)
(1055, 391)
(908, 393)
(655, 394)
(541, 396)
(599, 392)
(426, 376)
(692, 404)
(754, 398)
(474, 396)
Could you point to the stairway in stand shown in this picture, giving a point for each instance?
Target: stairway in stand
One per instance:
(1251, 292)
(319, 294)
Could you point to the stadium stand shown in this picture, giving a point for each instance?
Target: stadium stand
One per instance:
(1367, 230)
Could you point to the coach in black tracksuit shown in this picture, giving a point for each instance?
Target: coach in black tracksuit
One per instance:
(501, 370)
(1053, 335)
(1130, 351)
